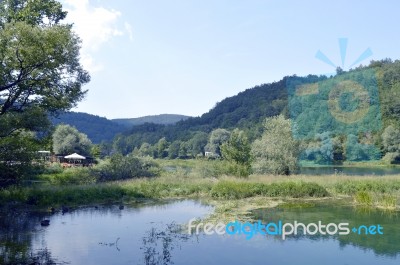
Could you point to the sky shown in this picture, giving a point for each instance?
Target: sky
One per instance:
(153, 57)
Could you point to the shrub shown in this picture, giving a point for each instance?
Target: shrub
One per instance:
(78, 175)
(120, 167)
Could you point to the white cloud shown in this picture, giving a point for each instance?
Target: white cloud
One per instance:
(95, 26)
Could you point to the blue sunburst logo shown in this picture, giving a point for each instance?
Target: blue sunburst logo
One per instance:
(343, 43)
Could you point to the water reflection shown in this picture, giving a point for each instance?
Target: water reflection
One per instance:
(18, 230)
(356, 171)
(151, 234)
(385, 245)
(158, 245)
(97, 235)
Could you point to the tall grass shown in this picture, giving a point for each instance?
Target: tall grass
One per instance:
(156, 189)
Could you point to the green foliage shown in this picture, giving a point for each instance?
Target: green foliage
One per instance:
(197, 143)
(77, 175)
(391, 158)
(68, 140)
(237, 151)
(95, 151)
(51, 57)
(356, 151)
(323, 152)
(363, 197)
(276, 152)
(36, 12)
(16, 155)
(173, 149)
(162, 148)
(217, 138)
(239, 190)
(40, 74)
(246, 111)
(146, 150)
(119, 167)
(351, 187)
(391, 144)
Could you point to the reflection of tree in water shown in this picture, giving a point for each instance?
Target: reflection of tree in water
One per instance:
(159, 244)
(40, 257)
(16, 237)
(387, 244)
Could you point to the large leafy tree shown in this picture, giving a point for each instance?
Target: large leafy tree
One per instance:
(68, 140)
(40, 74)
(277, 151)
(217, 138)
(39, 61)
(237, 151)
(391, 144)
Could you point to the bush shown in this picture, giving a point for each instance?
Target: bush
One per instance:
(78, 175)
(120, 167)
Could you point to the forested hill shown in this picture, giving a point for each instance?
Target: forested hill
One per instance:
(97, 128)
(156, 119)
(102, 129)
(248, 109)
(243, 110)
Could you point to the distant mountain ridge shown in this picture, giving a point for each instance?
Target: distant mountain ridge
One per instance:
(97, 128)
(163, 119)
(100, 129)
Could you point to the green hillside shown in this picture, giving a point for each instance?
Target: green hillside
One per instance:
(97, 128)
(248, 109)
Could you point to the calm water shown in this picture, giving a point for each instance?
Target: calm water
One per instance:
(356, 171)
(329, 170)
(146, 234)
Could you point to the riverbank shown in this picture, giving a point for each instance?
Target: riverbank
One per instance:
(228, 194)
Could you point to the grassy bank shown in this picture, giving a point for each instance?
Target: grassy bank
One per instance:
(227, 189)
(370, 191)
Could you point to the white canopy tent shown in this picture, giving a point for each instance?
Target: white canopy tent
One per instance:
(75, 156)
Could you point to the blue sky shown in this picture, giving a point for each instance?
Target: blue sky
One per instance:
(153, 56)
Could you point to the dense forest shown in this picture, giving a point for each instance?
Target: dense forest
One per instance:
(246, 111)
(369, 100)
(97, 128)
(100, 129)
(323, 133)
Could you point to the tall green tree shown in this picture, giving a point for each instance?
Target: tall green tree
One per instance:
(391, 144)
(173, 149)
(40, 62)
(197, 143)
(391, 139)
(276, 152)
(217, 138)
(162, 148)
(237, 151)
(68, 140)
(40, 72)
